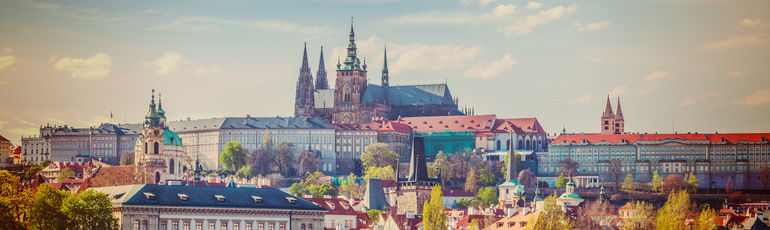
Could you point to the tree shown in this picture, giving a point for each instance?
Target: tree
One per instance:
(245, 172)
(569, 167)
(297, 189)
(471, 182)
(127, 158)
(615, 171)
(527, 178)
(656, 181)
(460, 163)
(442, 163)
(261, 161)
(7, 220)
(65, 173)
(764, 175)
(517, 161)
(552, 217)
(488, 195)
(641, 217)
(433, 212)
(628, 184)
(234, 157)
(692, 182)
(89, 210)
(283, 158)
(379, 155)
(374, 215)
(45, 210)
(672, 182)
(729, 186)
(384, 173)
(674, 211)
(474, 225)
(350, 187)
(13, 197)
(486, 176)
(706, 219)
(462, 203)
(307, 161)
(321, 190)
(561, 181)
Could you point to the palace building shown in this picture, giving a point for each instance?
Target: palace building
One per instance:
(356, 101)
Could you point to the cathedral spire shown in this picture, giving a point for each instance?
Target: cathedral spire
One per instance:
(303, 100)
(352, 34)
(619, 114)
(305, 66)
(385, 77)
(320, 77)
(608, 109)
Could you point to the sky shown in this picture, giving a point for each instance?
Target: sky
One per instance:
(677, 65)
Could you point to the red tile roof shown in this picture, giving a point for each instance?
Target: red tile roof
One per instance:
(336, 206)
(739, 137)
(527, 125)
(681, 136)
(450, 123)
(597, 138)
(3, 139)
(466, 221)
(593, 138)
(457, 193)
(118, 175)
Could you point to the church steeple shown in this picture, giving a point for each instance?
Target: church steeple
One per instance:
(320, 77)
(352, 62)
(385, 77)
(619, 112)
(305, 66)
(304, 103)
(152, 119)
(608, 109)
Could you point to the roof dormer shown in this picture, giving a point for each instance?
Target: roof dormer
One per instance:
(220, 198)
(183, 196)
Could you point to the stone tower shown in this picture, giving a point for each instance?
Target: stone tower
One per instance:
(414, 190)
(320, 76)
(619, 121)
(158, 152)
(304, 103)
(350, 85)
(608, 119)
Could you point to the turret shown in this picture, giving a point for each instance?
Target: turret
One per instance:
(608, 119)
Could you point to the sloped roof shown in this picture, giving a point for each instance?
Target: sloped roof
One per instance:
(165, 195)
(336, 206)
(3, 139)
(196, 125)
(275, 123)
(432, 94)
(117, 175)
(170, 138)
(527, 125)
(374, 197)
(512, 222)
(450, 123)
(738, 137)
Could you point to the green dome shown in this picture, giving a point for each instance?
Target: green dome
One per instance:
(570, 195)
(171, 138)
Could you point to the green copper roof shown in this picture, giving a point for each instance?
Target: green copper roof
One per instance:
(570, 195)
(170, 138)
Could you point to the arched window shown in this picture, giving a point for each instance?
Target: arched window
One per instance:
(508, 144)
(156, 147)
(157, 177)
(498, 144)
(171, 166)
(145, 147)
(303, 227)
(521, 144)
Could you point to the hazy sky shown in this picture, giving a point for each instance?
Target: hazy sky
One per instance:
(689, 65)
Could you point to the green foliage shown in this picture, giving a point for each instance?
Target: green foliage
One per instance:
(384, 173)
(442, 163)
(350, 188)
(433, 212)
(321, 190)
(641, 217)
(628, 183)
(65, 173)
(517, 159)
(487, 195)
(692, 182)
(474, 225)
(89, 210)
(245, 172)
(45, 210)
(552, 217)
(674, 211)
(234, 156)
(7, 220)
(313, 185)
(471, 182)
(374, 215)
(379, 155)
(656, 181)
(561, 181)
(462, 203)
(297, 189)
(13, 199)
(706, 219)
(486, 176)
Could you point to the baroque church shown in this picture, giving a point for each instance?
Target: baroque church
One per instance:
(356, 101)
(158, 152)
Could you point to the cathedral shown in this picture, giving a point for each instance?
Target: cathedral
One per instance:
(356, 101)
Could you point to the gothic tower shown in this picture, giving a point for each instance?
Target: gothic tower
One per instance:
(385, 77)
(304, 102)
(608, 119)
(619, 121)
(350, 85)
(320, 76)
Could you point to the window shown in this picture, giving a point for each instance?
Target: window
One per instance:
(171, 166)
(236, 226)
(186, 225)
(136, 225)
(174, 225)
(144, 224)
(282, 226)
(163, 225)
(199, 226)
(224, 226)
(261, 226)
(248, 226)
(271, 226)
(211, 225)
(156, 147)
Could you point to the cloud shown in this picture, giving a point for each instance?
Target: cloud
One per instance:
(591, 26)
(203, 70)
(411, 56)
(736, 74)
(525, 25)
(213, 24)
(747, 22)
(534, 5)
(503, 10)
(582, 100)
(168, 63)
(689, 101)
(491, 69)
(618, 90)
(483, 2)
(735, 42)
(6, 61)
(652, 81)
(758, 97)
(657, 75)
(95, 66)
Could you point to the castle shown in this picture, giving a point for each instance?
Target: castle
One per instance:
(355, 101)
